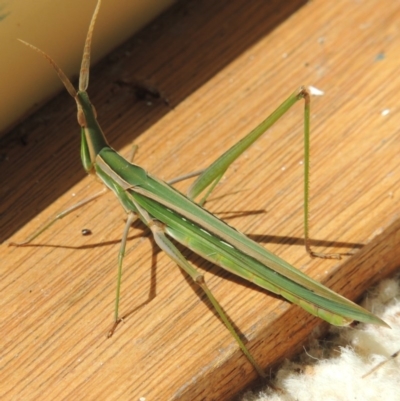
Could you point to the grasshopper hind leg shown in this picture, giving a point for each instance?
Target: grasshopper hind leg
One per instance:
(158, 231)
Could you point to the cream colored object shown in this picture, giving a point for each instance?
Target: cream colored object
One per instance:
(353, 364)
(58, 28)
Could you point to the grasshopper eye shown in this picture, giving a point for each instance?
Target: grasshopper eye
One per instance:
(81, 118)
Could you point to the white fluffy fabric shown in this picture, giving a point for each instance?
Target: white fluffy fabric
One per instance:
(351, 364)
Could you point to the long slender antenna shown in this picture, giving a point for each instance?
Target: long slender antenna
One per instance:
(67, 83)
(84, 74)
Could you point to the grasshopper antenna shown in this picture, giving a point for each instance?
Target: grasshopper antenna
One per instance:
(84, 73)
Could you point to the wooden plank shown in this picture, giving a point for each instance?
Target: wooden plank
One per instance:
(223, 67)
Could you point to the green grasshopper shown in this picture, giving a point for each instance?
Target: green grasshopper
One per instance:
(172, 215)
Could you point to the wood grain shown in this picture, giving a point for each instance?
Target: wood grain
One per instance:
(223, 66)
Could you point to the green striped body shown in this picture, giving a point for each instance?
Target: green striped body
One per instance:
(205, 234)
